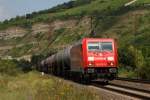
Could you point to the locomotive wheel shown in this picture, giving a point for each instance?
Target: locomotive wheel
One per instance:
(84, 79)
(106, 82)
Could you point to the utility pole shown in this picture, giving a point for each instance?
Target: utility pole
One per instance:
(93, 25)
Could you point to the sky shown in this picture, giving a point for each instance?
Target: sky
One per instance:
(12, 8)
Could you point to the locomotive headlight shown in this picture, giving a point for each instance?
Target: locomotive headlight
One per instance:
(110, 58)
(90, 64)
(90, 58)
(111, 63)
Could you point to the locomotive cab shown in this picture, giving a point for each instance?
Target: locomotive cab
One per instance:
(100, 58)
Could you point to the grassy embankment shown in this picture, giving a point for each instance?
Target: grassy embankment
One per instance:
(18, 82)
(34, 86)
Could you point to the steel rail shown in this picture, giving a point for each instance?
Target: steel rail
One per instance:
(133, 80)
(128, 87)
(133, 92)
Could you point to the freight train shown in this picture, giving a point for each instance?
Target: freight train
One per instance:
(88, 59)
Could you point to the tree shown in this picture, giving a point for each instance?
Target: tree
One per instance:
(134, 58)
(25, 65)
(137, 56)
(36, 59)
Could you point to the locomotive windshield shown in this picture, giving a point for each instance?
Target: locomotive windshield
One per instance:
(93, 46)
(106, 46)
(100, 46)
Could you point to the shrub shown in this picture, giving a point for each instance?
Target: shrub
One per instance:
(135, 64)
(35, 59)
(9, 67)
(25, 66)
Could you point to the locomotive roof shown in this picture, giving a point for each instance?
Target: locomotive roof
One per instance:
(99, 39)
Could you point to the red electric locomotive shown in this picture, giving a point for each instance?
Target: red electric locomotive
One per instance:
(88, 59)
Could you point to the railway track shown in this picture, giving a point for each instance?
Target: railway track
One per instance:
(133, 80)
(119, 89)
(125, 90)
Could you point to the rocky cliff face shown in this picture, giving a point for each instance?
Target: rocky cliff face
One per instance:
(12, 32)
(40, 36)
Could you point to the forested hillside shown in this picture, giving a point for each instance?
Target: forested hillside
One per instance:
(47, 31)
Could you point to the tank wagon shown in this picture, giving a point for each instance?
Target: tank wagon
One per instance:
(89, 59)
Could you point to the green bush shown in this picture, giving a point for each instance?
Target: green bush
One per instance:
(127, 72)
(19, 51)
(143, 71)
(135, 64)
(24, 65)
(9, 67)
(35, 59)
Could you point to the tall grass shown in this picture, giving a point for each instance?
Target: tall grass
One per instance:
(34, 86)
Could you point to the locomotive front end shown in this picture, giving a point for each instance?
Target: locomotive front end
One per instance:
(100, 57)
